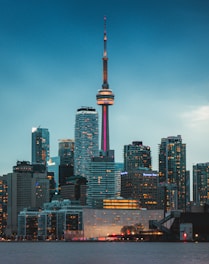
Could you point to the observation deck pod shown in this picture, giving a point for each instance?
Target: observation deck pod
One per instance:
(105, 97)
(154, 224)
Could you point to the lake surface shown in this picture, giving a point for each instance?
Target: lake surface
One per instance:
(103, 253)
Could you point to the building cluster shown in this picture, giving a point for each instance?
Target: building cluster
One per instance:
(84, 193)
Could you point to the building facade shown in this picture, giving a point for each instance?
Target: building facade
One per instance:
(172, 172)
(66, 154)
(86, 139)
(27, 188)
(201, 183)
(40, 145)
(136, 155)
(60, 220)
(142, 185)
(101, 179)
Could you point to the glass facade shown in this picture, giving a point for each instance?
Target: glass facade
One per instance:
(201, 183)
(141, 185)
(60, 220)
(172, 172)
(40, 145)
(137, 155)
(101, 179)
(86, 139)
(66, 151)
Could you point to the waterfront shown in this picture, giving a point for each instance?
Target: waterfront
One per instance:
(103, 252)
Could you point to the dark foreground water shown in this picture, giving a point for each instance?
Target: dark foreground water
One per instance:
(103, 253)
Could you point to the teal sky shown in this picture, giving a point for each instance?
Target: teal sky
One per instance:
(51, 64)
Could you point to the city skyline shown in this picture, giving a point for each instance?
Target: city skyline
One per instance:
(158, 67)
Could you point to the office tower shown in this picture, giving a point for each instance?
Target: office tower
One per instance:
(201, 183)
(66, 154)
(136, 155)
(172, 172)
(101, 180)
(40, 145)
(66, 151)
(28, 187)
(141, 184)
(86, 139)
(105, 97)
(101, 173)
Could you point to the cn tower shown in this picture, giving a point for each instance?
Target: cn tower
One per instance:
(105, 97)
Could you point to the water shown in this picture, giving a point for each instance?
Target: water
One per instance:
(103, 253)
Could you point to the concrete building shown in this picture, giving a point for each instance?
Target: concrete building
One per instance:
(28, 187)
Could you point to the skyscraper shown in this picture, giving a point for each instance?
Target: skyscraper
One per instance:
(28, 187)
(172, 172)
(40, 145)
(201, 183)
(101, 174)
(141, 184)
(137, 155)
(105, 97)
(66, 151)
(66, 154)
(86, 139)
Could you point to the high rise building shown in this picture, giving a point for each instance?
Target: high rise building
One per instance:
(172, 172)
(86, 139)
(136, 155)
(66, 151)
(28, 187)
(40, 145)
(141, 184)
(66, 154)
(101, 174)
(201, 183)
(101, 180)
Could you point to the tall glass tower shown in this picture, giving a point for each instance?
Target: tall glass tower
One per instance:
(40, 145)
(66, 154)
(172, 172)
(86, 139)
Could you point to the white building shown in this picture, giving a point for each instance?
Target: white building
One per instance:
(86, 139)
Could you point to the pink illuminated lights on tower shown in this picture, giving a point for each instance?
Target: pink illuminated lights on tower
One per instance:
(105, 97)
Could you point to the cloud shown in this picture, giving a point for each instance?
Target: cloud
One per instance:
(196, 117)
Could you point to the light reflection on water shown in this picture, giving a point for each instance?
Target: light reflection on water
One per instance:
(103, 252)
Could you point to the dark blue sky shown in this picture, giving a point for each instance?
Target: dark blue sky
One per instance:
(51, 64)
